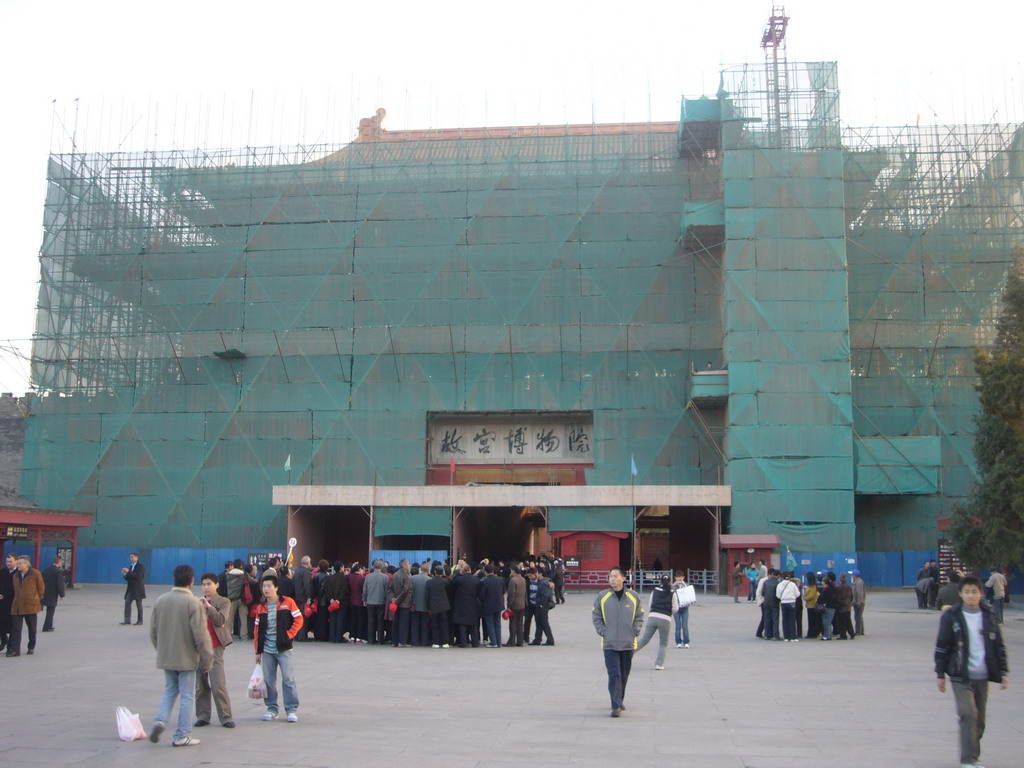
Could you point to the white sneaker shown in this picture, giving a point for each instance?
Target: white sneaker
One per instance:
(185, 741)
(292, 717)
(679, 645)
(269, 715)
(659, 666)
(446, 646)
(435, 645)
(686, 645)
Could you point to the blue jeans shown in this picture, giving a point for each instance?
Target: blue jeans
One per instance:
(271, 661)
(492, 621)
(618, 664)
(753, 591)
(826, 623)
(178, 683)
(682, 622)
(770, 614)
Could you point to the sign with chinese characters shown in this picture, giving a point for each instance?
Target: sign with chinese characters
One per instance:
(562, 438)
(17, 532)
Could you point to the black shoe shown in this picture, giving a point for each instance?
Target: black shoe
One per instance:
(138, 623)
(616, 712)
(550, 643)
(11, 653)
(154, 735)
(535, 642)
(48, 630)
(200, 723)
(30, 651)
(228, 724)
(125, 623)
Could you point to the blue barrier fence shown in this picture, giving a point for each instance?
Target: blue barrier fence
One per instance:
(878, 569)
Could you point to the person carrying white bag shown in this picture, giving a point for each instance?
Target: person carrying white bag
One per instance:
(685, 596)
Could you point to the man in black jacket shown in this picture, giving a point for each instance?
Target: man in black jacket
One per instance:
(6, 598)
(491, 591)
(970, 650)
(53, 590)
(135, 591)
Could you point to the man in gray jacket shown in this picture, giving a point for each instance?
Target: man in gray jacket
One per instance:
(178, 631)
(618, 618)
(375, 595)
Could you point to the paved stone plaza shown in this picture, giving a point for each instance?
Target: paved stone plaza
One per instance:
(730, 701)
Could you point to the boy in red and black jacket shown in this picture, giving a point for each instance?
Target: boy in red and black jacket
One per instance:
(278, 621)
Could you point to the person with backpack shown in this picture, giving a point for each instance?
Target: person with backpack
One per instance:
(662, 607)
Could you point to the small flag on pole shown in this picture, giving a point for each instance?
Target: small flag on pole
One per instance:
(288, 463)
(790, 561)
(632, 465)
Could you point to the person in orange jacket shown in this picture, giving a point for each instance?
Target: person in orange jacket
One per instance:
(278, 621)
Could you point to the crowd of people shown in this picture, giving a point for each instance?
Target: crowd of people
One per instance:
(409, 604)
(834, 607)
(932, 593)
(24, 593)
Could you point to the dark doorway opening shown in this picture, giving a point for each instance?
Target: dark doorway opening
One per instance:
(331, 533)
(498, 533)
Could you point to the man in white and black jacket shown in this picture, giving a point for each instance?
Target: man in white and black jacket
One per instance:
(970, 650)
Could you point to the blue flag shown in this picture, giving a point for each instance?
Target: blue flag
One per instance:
(632, 465)
(790, 561)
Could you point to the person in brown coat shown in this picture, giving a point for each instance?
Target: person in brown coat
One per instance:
(516, 600)
(27, 605)
(212, 684)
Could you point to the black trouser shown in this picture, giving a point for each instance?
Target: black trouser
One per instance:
(321, 623)
(128, 609)
(527, 620)
(472, 631)
(543, 627)
(338, 621)
(559, 593)
(48, 621)
(357, 621)
(439, 628)
(375, 624)
(400, 627)
(813, 623)
(419, 628)
(842, 624)
(14, 645)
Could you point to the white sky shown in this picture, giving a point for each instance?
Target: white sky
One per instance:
(223, 73)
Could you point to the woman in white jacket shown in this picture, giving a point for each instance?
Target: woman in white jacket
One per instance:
(788, 592)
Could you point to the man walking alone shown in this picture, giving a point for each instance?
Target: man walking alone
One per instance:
(178, 631)
(618, 618)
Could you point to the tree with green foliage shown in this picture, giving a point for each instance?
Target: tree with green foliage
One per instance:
(989, 529)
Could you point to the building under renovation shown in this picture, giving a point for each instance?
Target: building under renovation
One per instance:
(699, 341)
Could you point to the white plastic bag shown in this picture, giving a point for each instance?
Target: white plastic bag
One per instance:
(686, 595)
(257, 685)
(129, 726)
